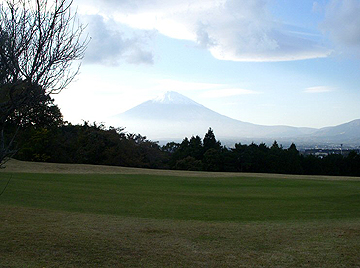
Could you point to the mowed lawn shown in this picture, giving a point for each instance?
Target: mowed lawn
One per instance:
(239, 199)
(143, 220)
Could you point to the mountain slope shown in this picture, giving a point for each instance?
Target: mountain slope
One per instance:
(174, 116)
(344, 133)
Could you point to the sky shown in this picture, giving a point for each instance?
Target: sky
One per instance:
(268, 62)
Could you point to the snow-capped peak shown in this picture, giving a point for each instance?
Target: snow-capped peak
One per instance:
(172, 97)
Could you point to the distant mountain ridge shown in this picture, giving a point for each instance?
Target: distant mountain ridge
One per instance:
(345, 133)
(174, 116)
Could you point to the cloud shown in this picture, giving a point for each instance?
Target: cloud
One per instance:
(109, 46)
(203, 38)
(342, 22)
(229, 29)
(318, 89)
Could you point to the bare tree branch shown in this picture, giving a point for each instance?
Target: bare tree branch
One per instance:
(39, 43)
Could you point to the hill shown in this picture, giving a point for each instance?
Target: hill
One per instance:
(344, 133)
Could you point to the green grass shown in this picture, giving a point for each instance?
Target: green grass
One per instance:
(44, 238)
(179, 220)
(187, 198)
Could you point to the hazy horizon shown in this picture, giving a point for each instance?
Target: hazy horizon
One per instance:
(293, 63)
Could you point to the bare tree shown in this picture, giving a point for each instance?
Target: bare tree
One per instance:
(39, 42)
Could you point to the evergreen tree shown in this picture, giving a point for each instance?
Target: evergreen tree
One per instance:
(210, 142)
(196, 147)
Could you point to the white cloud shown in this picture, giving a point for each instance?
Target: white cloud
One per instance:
(342, 22)
(230, 29)
(318, 89)
(109, 46)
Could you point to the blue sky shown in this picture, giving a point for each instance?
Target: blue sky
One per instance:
(270, 62)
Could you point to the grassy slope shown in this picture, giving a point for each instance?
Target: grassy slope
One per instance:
(31, 167)
(158, 220)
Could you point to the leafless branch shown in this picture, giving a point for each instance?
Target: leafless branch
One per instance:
(40, 41)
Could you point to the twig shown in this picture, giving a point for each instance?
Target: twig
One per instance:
(6, 186)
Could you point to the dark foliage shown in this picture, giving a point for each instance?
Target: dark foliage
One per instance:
(256, 158)
(89, 144)
(95, 144)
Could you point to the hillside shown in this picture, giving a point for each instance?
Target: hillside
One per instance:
(347, 132)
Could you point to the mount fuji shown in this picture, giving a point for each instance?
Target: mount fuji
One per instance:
(173, 116)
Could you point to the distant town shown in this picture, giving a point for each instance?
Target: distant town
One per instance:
(322, 151)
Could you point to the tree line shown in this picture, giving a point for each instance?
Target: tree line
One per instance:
(208, 154)
(95, 144)
(87, 144)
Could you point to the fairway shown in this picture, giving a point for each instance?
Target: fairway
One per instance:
(237, 199)
(178, 220)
